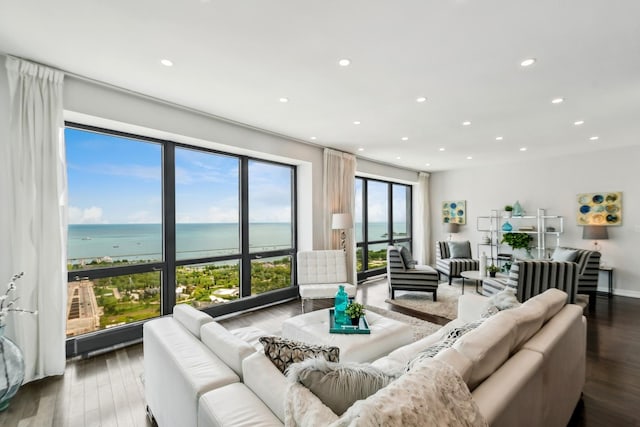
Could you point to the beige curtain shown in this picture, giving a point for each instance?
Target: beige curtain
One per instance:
(421, 220)
(338, 189)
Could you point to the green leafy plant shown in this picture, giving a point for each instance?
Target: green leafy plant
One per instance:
(517, 240)
(493, 269)
(508, 208)
(355, 310)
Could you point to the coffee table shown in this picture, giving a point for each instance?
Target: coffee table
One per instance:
(386, 335)
(475, 275)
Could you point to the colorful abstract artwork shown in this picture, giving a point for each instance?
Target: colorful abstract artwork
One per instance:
(600, 208)
(454, 212)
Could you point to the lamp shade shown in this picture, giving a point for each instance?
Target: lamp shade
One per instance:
(451, 227)
(341, 221)
(595, 232)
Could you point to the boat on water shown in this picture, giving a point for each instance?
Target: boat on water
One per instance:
(86, 238)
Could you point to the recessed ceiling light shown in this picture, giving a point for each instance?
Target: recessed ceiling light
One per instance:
(523, 149)
(313, 138)
(499, 138)
(528, 62)
(284, 100)
(356, 122)
(421, 99)
(557, 100)
(469, 158)
(594, 138)
(578, 122)
(466, 123)
(405, 138)
(166, 62)
(441, 148)
(398, 158)
(360, 149)
(427, 164)
(344, 62)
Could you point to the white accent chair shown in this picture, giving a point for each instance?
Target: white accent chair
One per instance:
(320, 273)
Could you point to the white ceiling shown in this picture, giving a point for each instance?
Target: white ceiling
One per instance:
(236, 58)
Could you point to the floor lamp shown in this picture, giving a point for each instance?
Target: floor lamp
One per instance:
(342, 222)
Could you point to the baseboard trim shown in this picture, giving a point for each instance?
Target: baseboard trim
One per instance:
(626, 293)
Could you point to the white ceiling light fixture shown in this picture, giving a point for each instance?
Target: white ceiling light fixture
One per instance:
(421, 99)
(284, 100)
(398, 158)
(427, 164)
(594, 138)
(166, 62)
(360, 149)
(557, 100)
(578, 122)
(356, 122)
(405, 138)
(523, 149)
(499, 138)
(344, 62)
(441, 148)
(313, 138)
(528, 62)
(469, 158)
(466, 123)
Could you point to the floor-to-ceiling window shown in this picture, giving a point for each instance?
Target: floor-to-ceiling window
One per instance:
(382, 217)
(153, 223)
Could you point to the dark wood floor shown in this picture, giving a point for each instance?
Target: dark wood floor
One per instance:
(108, 390)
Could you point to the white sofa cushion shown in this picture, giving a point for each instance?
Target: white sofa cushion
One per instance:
(191, 318)
(553, 299)
(227, 346)
(234, 406)
(266, 381)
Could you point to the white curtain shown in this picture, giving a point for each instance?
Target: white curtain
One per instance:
(338, 188)
(33, 192)
(421, 221)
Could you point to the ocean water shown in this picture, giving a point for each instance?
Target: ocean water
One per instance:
(144, 241)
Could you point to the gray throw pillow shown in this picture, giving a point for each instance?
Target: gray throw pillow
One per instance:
(283, 352)
(407, 258)
(459, 249)
(564, 254)
(339, 385)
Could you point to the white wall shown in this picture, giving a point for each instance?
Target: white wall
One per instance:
(553, 184)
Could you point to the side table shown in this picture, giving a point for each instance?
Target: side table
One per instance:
(609, 271)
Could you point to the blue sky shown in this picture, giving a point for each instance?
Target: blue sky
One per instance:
(115, 180)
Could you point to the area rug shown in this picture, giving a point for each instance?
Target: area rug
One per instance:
(421, 328)
(446, 306)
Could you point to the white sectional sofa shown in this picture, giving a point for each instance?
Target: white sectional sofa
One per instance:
(524, 366)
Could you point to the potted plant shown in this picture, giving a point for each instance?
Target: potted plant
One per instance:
(492, 270)
(355, 311)
(507, 211)
(517, 241)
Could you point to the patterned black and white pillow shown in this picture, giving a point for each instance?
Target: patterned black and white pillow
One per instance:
(283, 352)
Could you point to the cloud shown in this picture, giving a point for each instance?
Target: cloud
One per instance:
(92, 215)
(143, 217)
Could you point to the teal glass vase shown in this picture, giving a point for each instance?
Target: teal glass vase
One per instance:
(340, 305)
(11, 369)
(506, 226)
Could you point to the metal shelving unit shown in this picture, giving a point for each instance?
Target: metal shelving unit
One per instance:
(546, 230)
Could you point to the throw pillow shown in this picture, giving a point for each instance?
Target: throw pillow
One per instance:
(283, 352)
(459, 249)
(564, 254)
(409, 263)
(339, 385)
(503, 300)
(446, 342)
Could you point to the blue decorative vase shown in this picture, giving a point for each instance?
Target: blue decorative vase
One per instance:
(11, 369)
(506, 226)
(340, 305)
(517, 209)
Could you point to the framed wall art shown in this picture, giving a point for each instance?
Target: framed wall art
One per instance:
(454, 212)
(604, 208)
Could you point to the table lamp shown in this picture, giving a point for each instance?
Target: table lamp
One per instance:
(451, 227)
(342, 221)
(595, 233)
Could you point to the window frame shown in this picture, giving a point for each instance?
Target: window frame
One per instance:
(97, 341)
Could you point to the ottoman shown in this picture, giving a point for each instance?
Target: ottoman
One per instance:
(386, 335)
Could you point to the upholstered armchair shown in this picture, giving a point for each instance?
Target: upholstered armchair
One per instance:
(454, 257)
(320, 273)
(404, 275)
(532, 277)
(588, 272)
